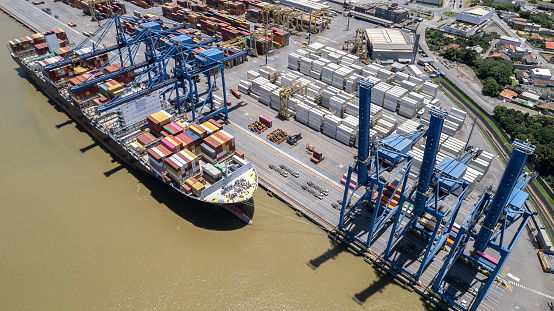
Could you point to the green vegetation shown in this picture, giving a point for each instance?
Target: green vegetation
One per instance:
(502, 6)
(491, 87)
(449, 14)
(539, 129)
(494, 74)
(442, 19)
(436, 39)
(537, 18)
(537, 43)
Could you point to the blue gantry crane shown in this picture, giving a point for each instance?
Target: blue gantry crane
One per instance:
(168, 61)
(434, 185)
(502, 210)
(382, 167)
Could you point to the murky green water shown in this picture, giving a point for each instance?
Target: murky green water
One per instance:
(80, 232)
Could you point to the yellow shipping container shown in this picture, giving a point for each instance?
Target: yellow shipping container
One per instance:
(196, 131)
(210, 126)
(194, 156)
(181, 124)
(197, 188)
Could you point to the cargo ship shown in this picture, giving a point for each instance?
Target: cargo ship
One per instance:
(199, 160)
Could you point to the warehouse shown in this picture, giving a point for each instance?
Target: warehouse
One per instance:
(475, 15)
(385, 43)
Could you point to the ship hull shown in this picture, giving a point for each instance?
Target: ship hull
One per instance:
(114, 148)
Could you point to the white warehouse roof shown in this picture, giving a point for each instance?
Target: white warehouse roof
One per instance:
(478, 11)
(390, 39)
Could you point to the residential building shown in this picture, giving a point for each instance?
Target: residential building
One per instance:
(541, 73)
(475, 15)
(530, 96)
(505, 40)
(508, 14)
(501, 56)
(530, 27)
(529, 60)
(549, 45)
(542, 82)
(518, 26)
(476, 48)
(507, 95)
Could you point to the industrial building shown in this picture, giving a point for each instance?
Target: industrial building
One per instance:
(475, 15)
(385, 43)
(392, 14)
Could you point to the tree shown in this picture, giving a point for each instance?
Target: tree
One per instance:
(492, 87)
(533, 1)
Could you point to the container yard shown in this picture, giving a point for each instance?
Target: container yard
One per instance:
(327, 95)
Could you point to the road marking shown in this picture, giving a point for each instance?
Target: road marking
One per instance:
(531, 290)
(515, 278)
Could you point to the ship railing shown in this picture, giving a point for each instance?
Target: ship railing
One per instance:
(222, 182)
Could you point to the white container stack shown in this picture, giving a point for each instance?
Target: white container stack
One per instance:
(326, 51)
(449, 128)
(251, 75)
(482, 163)
(417, 155)
(407, 127)
(385, 75)
(457, 117)
(350, 60)
(429, 88)
(315, 48)
(327, 94)
(293, 61)
(378, 93)
(265, 93)
(371, 70)
(400, 76)
(357, 68)
(415, 80)
(351, 85)
(257, 84)
(275, 99)
(305, 65)
(417, 97)
(344, 134)
(330, 123)
(288, 78)
(302, 113)
(472, 175)
(376, 113)
(410, 86)
(352, 108)
(315, 119)
(351, 122)
(452, 147)
(334, 57)
(327, 73)
(383, 127)
(408, 107)
(392, 98)
(340, 76)
(392, 120)
(338, 105)
(245, 86)
(314, 93)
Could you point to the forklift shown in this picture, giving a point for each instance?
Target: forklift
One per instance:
(293, 139)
